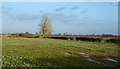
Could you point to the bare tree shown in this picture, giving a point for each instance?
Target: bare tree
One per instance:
(49, 28)
(45, 26)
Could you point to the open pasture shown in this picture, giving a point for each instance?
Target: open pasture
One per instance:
(45, 52)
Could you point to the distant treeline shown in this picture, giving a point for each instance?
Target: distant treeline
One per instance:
(59, 34)
(93, 38)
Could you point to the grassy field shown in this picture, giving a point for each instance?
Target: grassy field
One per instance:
(40, 52)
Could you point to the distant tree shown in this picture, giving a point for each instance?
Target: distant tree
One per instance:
(64, 34)
(59, 34)
(98, 35)
(45, 26)
(26, 32)
(92, 35)
(49, 29)
(36, 33)
(70, 34)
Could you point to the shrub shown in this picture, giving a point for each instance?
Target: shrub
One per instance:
(113, 40)
(58, 37)
(73, 38)
(33, 36)
(89, 39)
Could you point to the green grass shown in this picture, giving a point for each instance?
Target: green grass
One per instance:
(39, 52)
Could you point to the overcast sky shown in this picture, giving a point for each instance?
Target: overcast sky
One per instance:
(70, 17)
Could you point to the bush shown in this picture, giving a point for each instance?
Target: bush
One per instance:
(73, 38)
(33, 36)
(89, 39)
(113, 40)
(59, 37)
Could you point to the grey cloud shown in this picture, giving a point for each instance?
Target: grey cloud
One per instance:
(85, 18)
(70, 19)
(83, 11)
(75, 7)
(60, 17)
(97, 20)
(5, 8)
(40, 11)
(26, 16)
(60, 9)
(5, 12)
(97, 23)
(81, 23)
(53, 15)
